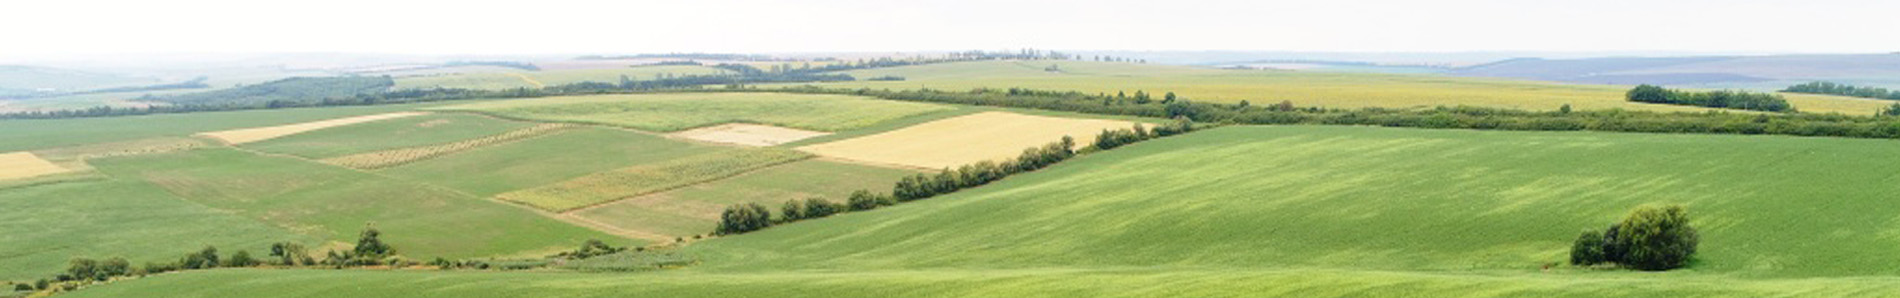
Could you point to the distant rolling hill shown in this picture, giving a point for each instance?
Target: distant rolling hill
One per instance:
(17, 80)
(1752, 72)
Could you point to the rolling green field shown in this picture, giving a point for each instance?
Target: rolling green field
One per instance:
(492, 170)
(1061, 282)
(681, 111)
(513, 78)
(1328, 89)
(333, 203)
(694, 210)
(1300, 210)
(387, 134)
(115, 217)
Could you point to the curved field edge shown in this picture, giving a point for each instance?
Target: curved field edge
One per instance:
(1167, 282)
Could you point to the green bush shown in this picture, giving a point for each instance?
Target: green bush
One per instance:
(1588, 249)
(1656, 238)
(743, 218)
(1651, 238)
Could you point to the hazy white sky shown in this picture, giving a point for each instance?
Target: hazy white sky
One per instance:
(571, 26)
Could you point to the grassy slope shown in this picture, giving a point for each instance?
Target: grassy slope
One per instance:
(513, 78)
(680, 111)
(693, 210)
(1307, 211)
(17, 135)
(1389, 199)
(389, 134)
(547, 159)
(1131, 282)
(335, 203)
(114, 217)
(1330, 89)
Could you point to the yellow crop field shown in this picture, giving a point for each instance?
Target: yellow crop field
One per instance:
(240, 136)
(15, 165)
(748, 134)
(963, 140)
(396, 157)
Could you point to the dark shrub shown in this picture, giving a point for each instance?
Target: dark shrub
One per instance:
(1588, 249)
(1656, 238)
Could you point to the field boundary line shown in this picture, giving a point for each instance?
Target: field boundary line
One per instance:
(373, 160)
(581, 208)
(544, 213)
(531, 81)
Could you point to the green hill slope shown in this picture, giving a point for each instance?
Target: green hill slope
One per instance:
(1303, 211)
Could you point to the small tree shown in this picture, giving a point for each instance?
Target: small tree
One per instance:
(369, 245)
(743, 218)
(794, 210)
(240, 259)
(1588, 249)
(819, 207)
(207, 258)
(83, 268)
(1657, 238)
(1651, 238)
(865, 200)
(1649, 93)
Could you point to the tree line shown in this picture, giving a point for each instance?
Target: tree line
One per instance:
(1831, 88)
(1727, 99)
(369, 251)
(742, 218)
(1460, 117)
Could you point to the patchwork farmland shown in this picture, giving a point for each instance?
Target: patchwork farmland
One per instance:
(939, 178)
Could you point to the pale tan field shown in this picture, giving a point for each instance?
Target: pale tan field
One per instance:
(748, 134)
(15, 165)
(124, 148)
(240, 136)
(964, 140)
(396, 157)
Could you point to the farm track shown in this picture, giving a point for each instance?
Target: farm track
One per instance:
(402, 156)
(531, 81)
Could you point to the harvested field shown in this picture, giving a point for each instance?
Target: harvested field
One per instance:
(240, 136)
(15, 165)
(125, 148)
(390, 158)
(649, 178)
(391, 134)
(963, 140)
(748, 134)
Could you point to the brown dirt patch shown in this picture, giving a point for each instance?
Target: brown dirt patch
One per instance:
(748, 134)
